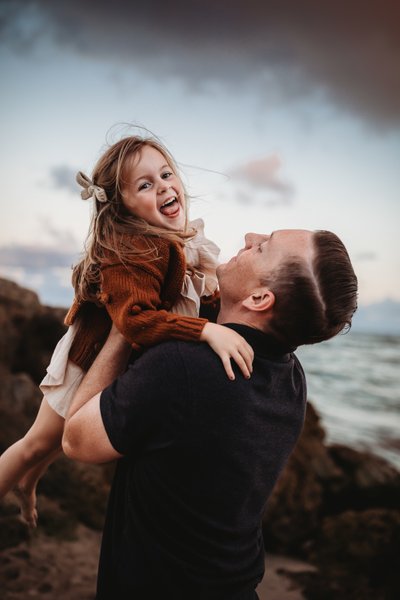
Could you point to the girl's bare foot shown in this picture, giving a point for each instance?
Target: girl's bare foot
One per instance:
(27, 504)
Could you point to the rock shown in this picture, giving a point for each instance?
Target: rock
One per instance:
(30, 331)
(294, 509)
(70, 492)
(12, 530)
(39, 337)
(338, 508)
(319, 480)
(24, 302)
(81, 490)
(358, 556)
(365, 481)
(19, 402)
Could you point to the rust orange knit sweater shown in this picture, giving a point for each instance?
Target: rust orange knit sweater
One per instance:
(136, 297)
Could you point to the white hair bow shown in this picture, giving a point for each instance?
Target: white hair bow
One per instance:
(90, 190)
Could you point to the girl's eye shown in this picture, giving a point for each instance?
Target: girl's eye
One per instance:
(166, 174)
(144, 186)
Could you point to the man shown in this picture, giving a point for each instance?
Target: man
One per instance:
(201, 453)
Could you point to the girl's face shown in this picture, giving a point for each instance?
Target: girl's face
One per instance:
(153, 191)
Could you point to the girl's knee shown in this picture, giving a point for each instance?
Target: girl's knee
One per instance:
(35, 449)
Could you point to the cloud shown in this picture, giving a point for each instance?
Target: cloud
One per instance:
(262, 182)
(63, 177)
(46, 270)
(366, 256)
(35, 257)
(345, 52)
(263, 173)
(61, 240)
(52, 285)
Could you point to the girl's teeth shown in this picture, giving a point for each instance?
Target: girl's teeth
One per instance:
(169, 207)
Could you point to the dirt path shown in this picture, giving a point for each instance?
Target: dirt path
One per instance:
(47, 568)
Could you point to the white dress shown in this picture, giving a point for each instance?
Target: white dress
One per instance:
(64, 377)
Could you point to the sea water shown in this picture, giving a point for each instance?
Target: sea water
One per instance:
(354, 383)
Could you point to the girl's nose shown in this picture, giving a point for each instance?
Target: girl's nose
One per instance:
(163, 186)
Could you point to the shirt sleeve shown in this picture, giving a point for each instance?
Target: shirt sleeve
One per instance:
(132, 296)
(148, 403)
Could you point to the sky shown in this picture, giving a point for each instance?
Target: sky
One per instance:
(280, 115)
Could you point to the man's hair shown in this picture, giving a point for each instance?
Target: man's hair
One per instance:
(314, 302)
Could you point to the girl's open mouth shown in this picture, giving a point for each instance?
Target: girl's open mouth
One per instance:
(171, 207)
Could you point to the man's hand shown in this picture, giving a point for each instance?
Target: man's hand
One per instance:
(229, 344)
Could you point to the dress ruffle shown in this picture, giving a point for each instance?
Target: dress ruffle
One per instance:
(63, 376)
(200, 277)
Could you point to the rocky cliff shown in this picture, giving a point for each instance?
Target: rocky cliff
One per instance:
(333, 506)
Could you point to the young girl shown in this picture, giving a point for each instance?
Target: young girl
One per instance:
(146, 270)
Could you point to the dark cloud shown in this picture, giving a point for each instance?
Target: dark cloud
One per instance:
(63, 177)
(34, 257)
(346, 51)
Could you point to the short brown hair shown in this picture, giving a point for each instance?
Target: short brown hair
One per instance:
(313, 305)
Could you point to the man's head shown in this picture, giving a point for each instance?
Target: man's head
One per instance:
(296, 284)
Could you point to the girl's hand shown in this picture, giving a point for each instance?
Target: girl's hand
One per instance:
(228, 344)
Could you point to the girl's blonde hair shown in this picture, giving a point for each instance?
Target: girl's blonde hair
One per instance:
(113, 229)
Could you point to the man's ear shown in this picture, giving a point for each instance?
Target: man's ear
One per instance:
(259, 300)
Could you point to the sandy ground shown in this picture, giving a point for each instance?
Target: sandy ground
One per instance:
(278, 586)
(45, 567)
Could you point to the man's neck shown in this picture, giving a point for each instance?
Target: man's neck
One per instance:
(231, 314)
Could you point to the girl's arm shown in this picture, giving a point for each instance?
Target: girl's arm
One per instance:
(132, 297)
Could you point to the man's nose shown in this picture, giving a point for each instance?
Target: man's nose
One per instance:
(254, 239)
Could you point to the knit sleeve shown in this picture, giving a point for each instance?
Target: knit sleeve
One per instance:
(132, 296)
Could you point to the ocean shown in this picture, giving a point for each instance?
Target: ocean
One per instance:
(354, 383)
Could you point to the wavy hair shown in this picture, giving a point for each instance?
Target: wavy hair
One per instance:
(113, 229)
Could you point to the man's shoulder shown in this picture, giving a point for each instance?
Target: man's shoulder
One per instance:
(178, 360)
(171, 350)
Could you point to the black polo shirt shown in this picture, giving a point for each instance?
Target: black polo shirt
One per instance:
(201, 456)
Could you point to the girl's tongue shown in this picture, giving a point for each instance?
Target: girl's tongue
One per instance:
(170, 208)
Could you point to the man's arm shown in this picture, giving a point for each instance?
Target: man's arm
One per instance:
(85, 437)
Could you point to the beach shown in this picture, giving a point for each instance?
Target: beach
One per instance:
(44, 567)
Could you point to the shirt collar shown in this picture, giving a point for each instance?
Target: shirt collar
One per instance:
(263, 344)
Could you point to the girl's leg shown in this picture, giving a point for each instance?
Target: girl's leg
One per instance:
(25, 490)
(42, 439)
